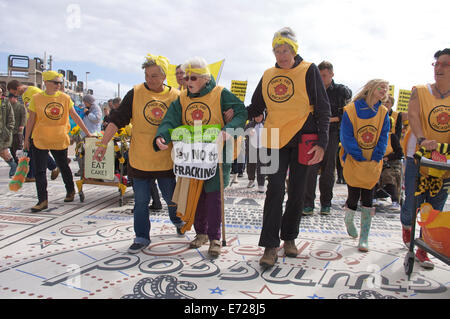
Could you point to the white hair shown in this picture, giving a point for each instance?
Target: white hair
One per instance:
(196, 63)
(285, 32)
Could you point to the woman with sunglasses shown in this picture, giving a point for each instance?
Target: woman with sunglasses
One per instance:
(144, 107)
(297, 106)
(48, 126)
(214, 100)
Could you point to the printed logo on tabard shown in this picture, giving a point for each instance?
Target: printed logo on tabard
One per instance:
(197, 111)
(438, 119)
(280, 89)
(54, 111)
(154, 112)
(366, 137)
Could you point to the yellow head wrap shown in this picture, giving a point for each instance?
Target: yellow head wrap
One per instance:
(52, 75)
(202, 71)
(160, 60)
(279, 40)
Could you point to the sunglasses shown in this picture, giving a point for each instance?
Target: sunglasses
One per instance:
(192, 78)
(56, 82)
(437, 64)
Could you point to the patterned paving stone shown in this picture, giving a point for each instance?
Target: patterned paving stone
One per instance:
(79, 250)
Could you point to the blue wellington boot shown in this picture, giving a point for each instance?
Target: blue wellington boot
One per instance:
(349, 223)
(366, 220)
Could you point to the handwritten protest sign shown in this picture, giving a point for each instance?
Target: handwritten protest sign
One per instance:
(95, 169)
(195, 153)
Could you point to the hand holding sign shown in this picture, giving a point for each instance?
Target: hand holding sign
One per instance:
(99, 153)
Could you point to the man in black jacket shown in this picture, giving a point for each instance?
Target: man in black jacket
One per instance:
(339, 95)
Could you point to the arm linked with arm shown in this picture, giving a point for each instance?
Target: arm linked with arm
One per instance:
(172, 119)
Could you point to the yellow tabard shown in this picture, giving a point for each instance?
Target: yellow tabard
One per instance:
(205, 108)
(28, 94)
(149, 109)
(367, 133)
(287, 102)
(389, 148)
(434, 117)
(51, 130)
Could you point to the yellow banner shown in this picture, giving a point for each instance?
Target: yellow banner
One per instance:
(239, 88)
(215, 68)
(403, 100)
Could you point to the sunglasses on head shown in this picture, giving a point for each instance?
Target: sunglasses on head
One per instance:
(192, 78)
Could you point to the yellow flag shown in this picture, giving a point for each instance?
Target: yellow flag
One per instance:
(215, 68)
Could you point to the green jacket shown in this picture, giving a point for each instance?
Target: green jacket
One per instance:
(228, 100)
(7, 123)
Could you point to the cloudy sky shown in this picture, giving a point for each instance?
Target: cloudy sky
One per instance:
(389, 39)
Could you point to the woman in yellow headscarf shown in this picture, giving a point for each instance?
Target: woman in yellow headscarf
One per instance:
(144, 107)
(48, 126)
(297, 106)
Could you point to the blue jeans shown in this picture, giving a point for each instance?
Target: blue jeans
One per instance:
(407, 211)
(142, 194)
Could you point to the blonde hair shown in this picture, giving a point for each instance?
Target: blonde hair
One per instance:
(369, 89)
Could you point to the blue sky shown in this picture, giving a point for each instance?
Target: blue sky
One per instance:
(394, 40)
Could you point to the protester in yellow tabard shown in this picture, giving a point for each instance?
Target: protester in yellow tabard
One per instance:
(205, 102)
(49, 126)
(27, 92)
(364, 137)
(428, 115)
(298, 111)
(144, 107)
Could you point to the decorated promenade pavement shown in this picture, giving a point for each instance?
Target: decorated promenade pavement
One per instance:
(79, 250)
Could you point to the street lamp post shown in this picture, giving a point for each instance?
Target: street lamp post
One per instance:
(87, 81)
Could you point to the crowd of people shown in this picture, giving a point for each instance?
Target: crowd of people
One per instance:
(299, 121)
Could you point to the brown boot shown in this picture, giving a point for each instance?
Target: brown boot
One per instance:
(214, 248)
(290, 249)
(40, 206)
(70, 197)
(54, 174)
(269, 258)
(199, 241)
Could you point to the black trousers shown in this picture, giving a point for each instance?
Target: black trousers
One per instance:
(276, 224)
(39, 159)
(327, 178)
(356, 193)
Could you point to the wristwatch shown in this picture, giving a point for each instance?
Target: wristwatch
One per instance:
(420, 140)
